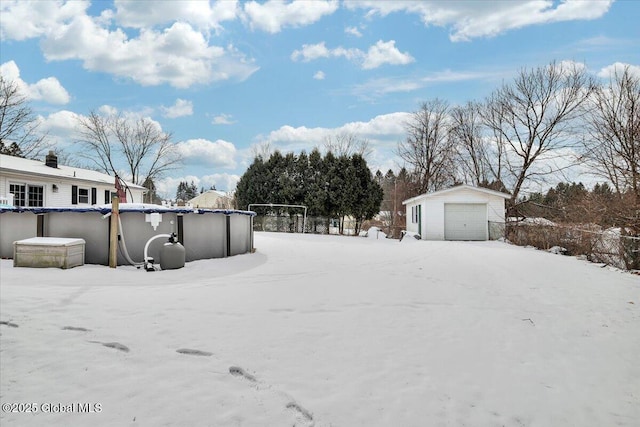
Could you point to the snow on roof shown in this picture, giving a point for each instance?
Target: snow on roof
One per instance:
(36, 167)
(457, 188)
(209, 196)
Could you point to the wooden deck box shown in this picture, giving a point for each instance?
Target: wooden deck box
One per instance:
(48, 252)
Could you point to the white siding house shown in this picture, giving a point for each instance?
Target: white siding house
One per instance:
(458, 213)
(32, 183)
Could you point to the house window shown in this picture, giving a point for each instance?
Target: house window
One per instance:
(109, 195)
(83, 196)
(414, 214)
(19, 192)
(36, 195)
(27, 195)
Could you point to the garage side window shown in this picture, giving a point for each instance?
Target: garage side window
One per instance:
(414, 214)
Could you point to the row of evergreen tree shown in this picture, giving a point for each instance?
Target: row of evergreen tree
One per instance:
(330, 186)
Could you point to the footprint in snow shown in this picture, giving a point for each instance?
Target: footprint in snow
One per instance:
(75, 328)
(115, 345)
(237, 371)
(193, 352)
(7, 323)
(302, 412)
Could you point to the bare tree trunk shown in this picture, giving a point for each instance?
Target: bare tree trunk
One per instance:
(346, 144)
(148, 152)
(18, 126)
(614, 145)
(428, 149)
(473, 150)
(534, 116)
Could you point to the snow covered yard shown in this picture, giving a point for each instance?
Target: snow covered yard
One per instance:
(326, 331)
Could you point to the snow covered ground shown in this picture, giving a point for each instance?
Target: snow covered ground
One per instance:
(325, 331)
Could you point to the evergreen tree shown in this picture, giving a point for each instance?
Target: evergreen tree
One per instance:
(332, 187)
(186, 191)
(253, 185)
(12, 149)
(315, 195)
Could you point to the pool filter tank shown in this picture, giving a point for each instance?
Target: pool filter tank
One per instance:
(172, 254)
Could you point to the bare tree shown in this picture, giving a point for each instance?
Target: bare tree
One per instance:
(474, 153)
(428, 151)
(533, 115)
(264, 150)
(138, 146)
(19, 134)
(346, 144)
(614, 129)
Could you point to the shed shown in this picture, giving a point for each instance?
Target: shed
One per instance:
(463, 212)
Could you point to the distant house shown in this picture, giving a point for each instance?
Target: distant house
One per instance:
(458, 213)
(32, 183)
(212, 199)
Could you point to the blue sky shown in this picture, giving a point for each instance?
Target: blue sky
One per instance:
(227, 76)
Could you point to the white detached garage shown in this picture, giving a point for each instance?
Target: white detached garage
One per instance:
(458, 213)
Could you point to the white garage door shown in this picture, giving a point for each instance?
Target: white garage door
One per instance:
(465, 221)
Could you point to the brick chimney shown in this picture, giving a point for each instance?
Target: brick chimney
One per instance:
(51, 160)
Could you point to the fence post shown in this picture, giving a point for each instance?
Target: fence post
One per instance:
(228, 235)
(113, 234)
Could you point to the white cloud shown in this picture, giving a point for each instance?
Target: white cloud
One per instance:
(61, 121)
(21, 20)
(178, 55)
(201, 151)
(222, 181)
(473, 19)
(377, 55)
(319, 75)
(381, 86)
(309, 52)
(617, 68)
(204, 15)
(223, 119)
(181, 108)
(274, 15)
(108, 110)
(48, 89)
(353, 31)
(385, 53)
(385, 126)
(60, 128)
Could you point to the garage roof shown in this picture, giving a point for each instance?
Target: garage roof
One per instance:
(457, 188)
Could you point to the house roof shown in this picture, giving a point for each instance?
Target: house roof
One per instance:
(37, 168)
(457, 188)
(208, 197)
